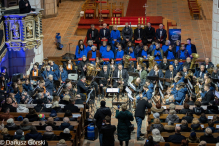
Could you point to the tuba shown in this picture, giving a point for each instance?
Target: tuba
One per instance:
(190, 74)
(210, 70)
(140, 62)
(91, 71)
(151, 62)
(127, 62)
(195, 56)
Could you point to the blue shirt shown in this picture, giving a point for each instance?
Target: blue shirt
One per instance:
(77, 48)
(89, 48)
(188, 47)
(108, 54)
(82, 52)
(132, 54)
(144, 53)
(119, 54)
(158, 56)
(94, 54)
(164, 48)
(103, 49)
(182, 55)
(177, 48)
(170, 55)
(115, 35)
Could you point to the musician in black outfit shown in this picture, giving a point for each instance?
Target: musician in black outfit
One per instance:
(82, 66)
(138, 33)
(164, 65)
(187, 63)
(215, 73)
(149, 34)
(103, 82)
(81, 86)
(24, 6)
(170, 74)
(209, 96)
(207, 63)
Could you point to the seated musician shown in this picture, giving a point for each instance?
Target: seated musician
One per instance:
(176, 47)
(142, 73)
(108, 53)
(185, 71)
(93, 53)
(34, 72)
(49, 84)
(209, 96)
(81, 52)
(47, 72)
(61, 74)
(8, 104)
(69, 65)
(81, 86)
(182, 53)
(157, 52)
(173, 86)
(119, 54)
(177, 66)
(170, 53)
(156, 72)
(138, 84)
(215, 73)
(89, 45)
(144, 52)
(103, 82)
(14, 86)
(82, 66)
(53, 66)
(146, 93)
(166, 46)
(171, 73)
(200, 73)
(123, 75)
(132, 52)
(164, 65)
(180, 94)
(150, 85)
(103, 47)
(27, 86)
(69, 90)
(187, 63)
(207, 63)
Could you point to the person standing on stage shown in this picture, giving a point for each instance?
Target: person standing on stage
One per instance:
(24, 6)
(93, 35)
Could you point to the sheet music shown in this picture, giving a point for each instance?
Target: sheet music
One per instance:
(48, 105)
(161, 94)
(114, 90)
(130, 97)
(132, 86)
(160, 85)
(128, 90)
(216, 94)
(190, 84)
(88, 97)
(76, 115)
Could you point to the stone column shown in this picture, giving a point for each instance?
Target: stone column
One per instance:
(215, 33)
(35, 3)
(50, 8)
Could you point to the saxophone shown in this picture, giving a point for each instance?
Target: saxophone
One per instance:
(195, 56)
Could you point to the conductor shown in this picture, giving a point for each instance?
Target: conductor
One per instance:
(24, 6)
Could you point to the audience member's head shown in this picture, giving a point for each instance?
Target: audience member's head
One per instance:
(157, 121)
(198, 104)
(103, 103)
(108, 119)
(156, 115)
(48, 129)
(66, 130)
(195, 121)
(184, 142)
(208, 131)
(186, 106)
(66, 120)
(184, 122)
(172, 106)
(202, 143)
(158, 105)
(177, 129)
(124, 107)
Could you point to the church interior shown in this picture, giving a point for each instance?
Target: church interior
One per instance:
(72, 61)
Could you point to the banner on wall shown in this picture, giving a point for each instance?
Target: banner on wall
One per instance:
(174, 34)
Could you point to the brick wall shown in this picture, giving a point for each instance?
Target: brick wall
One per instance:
(215, 33)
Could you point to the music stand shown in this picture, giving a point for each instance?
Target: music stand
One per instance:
(114, 91)
(90, 102)
(71, 71)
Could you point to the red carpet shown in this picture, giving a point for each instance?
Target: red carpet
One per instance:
(135, 8)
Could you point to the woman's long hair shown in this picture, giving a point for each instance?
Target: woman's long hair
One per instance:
(79, 50)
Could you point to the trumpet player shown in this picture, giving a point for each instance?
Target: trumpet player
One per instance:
(103, 82)
(61, 74)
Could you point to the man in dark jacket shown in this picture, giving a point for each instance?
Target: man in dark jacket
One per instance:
(190, 47)
(207, 63)
(208, 137)
(127, 33)
(177, 137)
(40, 106)
(71, 106)
(24, 6)
(100, 115)
(209, 96)
(161, 34)
(33, 134)
(9, 105)
(104, 33)
(149, 34)
(187, 63)
(140, 115)
(107, 131)
(164, 65)
(92, 34)
(138, 33)
(103, 82)
(66, 124)
(82, 66)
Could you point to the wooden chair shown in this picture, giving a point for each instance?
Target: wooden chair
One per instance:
(90, 10)
(105, 10)
(117, 10)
